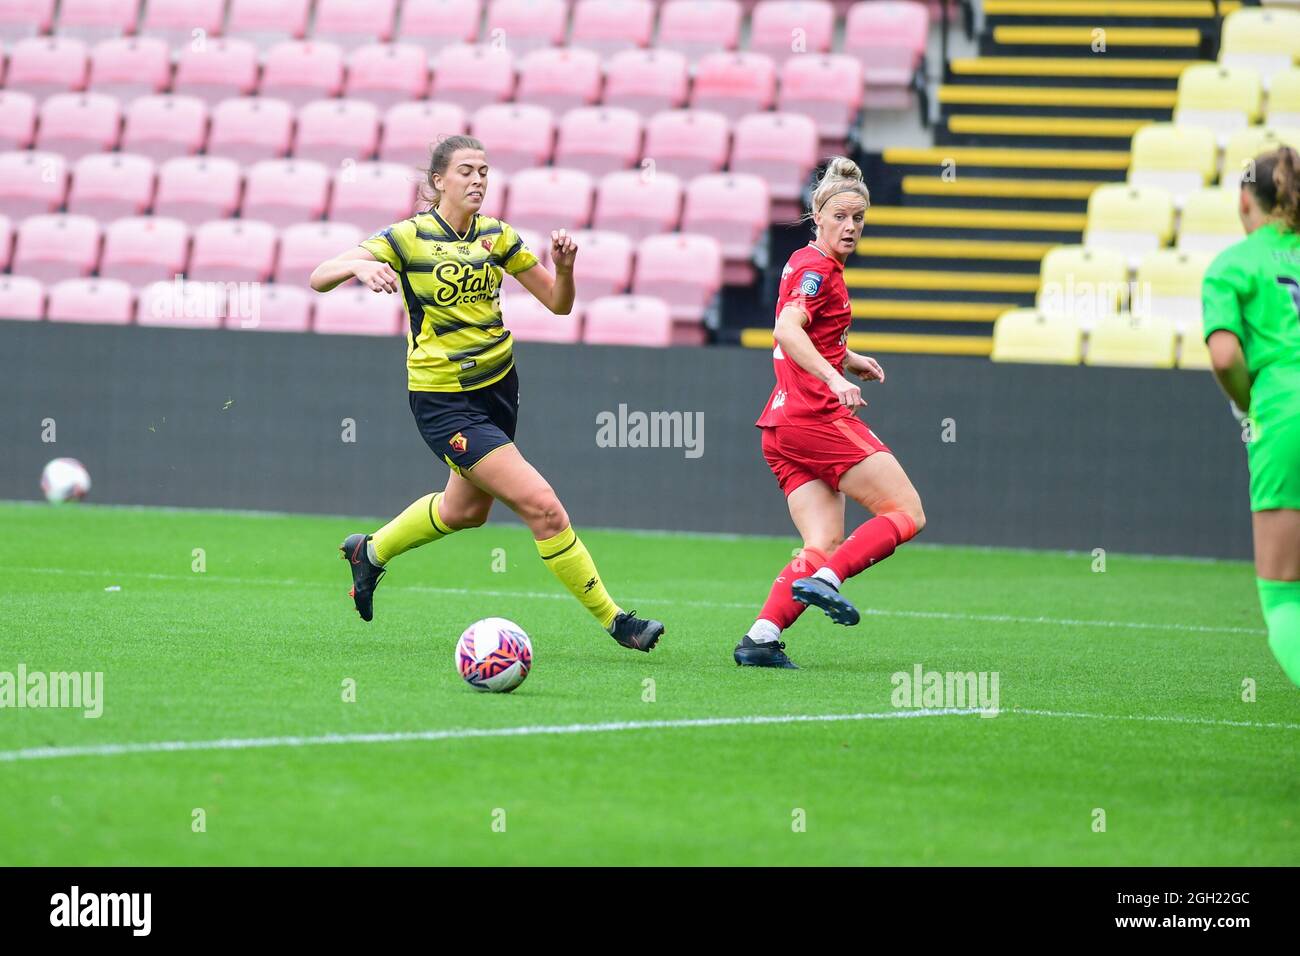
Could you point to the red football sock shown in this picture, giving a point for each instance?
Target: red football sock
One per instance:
(780, 608)
(873, 541)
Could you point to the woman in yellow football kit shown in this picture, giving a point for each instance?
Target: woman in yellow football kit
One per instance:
(464, 391)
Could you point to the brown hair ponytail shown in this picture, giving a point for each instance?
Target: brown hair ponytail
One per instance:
(1276, 184)
(439, 159)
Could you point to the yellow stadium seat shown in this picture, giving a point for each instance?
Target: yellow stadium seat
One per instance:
(1267, 39)
(1284, 99)
(1218, 96)
(1026, 335)
(1125, 339)
(1177, 158)
(1210, 222)
(1244, 145)
(1193, 353)
(1082, 284)
(1130, 219)
(1168, 287)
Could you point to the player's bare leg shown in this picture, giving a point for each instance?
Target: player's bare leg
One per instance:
(1277, 570)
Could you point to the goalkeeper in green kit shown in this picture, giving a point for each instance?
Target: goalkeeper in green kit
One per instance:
(1251, 295)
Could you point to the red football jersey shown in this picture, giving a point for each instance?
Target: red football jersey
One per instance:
(816, 280)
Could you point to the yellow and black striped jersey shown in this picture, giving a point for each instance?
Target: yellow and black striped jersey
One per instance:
(452, 285)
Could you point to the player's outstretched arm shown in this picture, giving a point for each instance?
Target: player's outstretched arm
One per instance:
(798, 348)
(1229, 365)
(360, 262)
(554, 291)
(864, 366)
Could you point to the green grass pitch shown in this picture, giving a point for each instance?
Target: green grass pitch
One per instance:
(1119, 691)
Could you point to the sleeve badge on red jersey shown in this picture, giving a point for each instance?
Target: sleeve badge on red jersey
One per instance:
(810, 283)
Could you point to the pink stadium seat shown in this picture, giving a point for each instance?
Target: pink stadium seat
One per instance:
(889, 38)
(547, 199)
(786, 28)
(687, 142)
(21, 297)
(354, 23)
(305, 245)
(268, 22)
(128, 67)
(74, 124)
(302, 72)
(604, 263)
(494, 203)
(560, 78)
(56, 247)
(111, 185)
(472, 76)
(105, 301)
(25, 18)
(683, 269)
(184, 305)
(43, 66)
(611, 26)
(216, 70)
(17, 120)
(355, 310)
(733, 208)
(411, 129)
(628, 320)
(251, 128)
(526, 25)
(646, 81)
(96, 19)
(435, 24)
(233, 250)
(516, 135)
(530, 321)
(161, 127)
(144, 249)
(31, 183)
(697, 27)
(734, 84)
(828, 89)
(6, 241)
(278, 309)
(183, 21)
(334, 131)
(599, 139)
(387, 73)
(285, 191)
(195, 189)
(372, 196)
(637, 203)
(781, 148)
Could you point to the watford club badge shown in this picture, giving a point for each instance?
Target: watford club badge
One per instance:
(486, 244)
(458, 442)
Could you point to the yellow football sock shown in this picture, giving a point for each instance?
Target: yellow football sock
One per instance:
(569, 560)
(418, 524)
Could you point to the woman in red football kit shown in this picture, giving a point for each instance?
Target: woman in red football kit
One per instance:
(817, 448)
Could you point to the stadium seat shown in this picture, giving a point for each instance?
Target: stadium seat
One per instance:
(43, 66)
(1169, 287)
(266, 23)
(1210, 221)
(827, 89)
(526, 25)
(1127, 340)
(333, 131)
(516, 135)
(734, 84)
(612, 26)
(698, 27)
(1284, 99)
(143, 249)
(434, 24)
(305, 245)
(560, 79)
(56, 246)
(195, 189)
(355, 310)
(1222, 98)
(108, 186)
(106, 301)
(628, 320)
(889, 38)
(20, 19)
(216, 70)
(233, 250)
(31, 183)
(1246, 145)
(185, 305)
(687, 143)
(638, 203)
(1193, 353)
(547, 199)
(530, 321)
(279, 308)
(92, 20)
(354, 23)
(130, 66)
(17, 120)
(6, 242)
(286, 191)
(785, 28)
(74, 124)
(1177, 158)
(1027, 335)
(473, 76)
(1130, 219)
(1268, 40)
(165, 126)
(251, 128)
(683, 269)
(733, 208)
(411, 129)
(604, 263)
(599, 139)
(646, 81)
(1082, 284)
(21, 297)
(372, 196)
(494, 203)
(183, 21)
(387, 73)
(302, 72)
(781, 149)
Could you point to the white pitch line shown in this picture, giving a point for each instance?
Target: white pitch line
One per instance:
(1154, 718)
(556, 596)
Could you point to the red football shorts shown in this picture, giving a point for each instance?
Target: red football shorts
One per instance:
(798, 454)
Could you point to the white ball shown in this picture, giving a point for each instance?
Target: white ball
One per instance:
(494, 655)
(65, 479)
